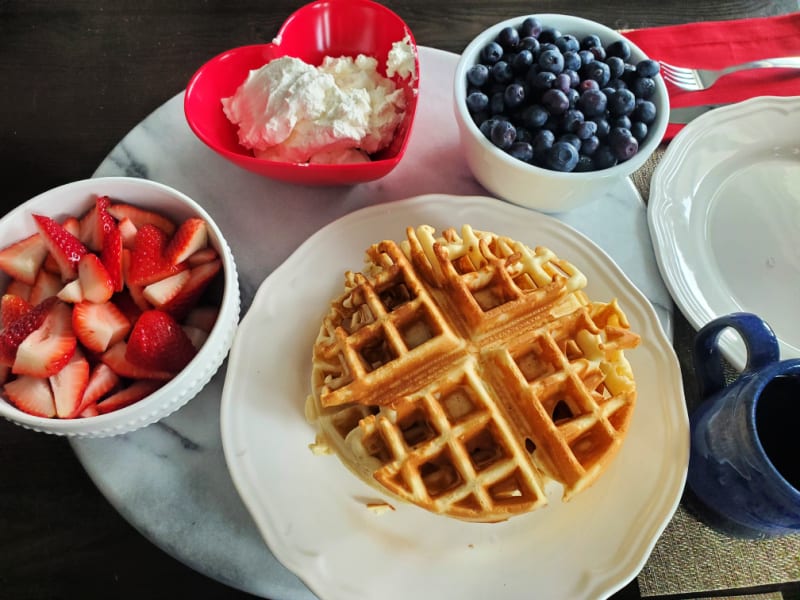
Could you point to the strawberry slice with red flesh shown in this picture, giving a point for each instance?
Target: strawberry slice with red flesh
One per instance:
(50, 347)
(14, 333)
(141, 216)
(23, 259)
(147, 261)
(31, 395)
(115, 358)
(47, 284)
(192, 291)
(133, 393)
(95, 281)
(111, 242)
(12, 307)
(69, 386)
(102, 380)
(158, 342)
(99, 326)
(65, 248)
(191, 236)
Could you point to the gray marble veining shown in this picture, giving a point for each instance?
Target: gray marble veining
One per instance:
(170, 479)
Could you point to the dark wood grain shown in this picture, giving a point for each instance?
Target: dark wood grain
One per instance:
(76, 77)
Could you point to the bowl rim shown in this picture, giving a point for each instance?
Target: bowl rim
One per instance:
(561, 21)
(169, 394)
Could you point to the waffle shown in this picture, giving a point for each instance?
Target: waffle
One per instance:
(463, 372)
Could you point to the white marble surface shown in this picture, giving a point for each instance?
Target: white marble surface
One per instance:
(170, 479)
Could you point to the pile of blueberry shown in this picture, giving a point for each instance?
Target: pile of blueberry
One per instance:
(554, 101)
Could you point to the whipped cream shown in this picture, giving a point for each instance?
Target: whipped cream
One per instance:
(341, 111)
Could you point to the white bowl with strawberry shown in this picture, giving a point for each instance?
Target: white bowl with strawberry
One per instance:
(119, 300)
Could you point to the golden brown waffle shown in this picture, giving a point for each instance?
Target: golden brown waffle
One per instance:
(462, 372)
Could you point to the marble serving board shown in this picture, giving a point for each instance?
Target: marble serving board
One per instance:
(170, 480)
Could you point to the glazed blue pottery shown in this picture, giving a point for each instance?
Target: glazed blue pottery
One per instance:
(744, 467)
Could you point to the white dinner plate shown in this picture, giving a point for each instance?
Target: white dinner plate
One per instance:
(724, 216)
(311, 510)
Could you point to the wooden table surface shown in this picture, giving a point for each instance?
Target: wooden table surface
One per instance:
(77, 76)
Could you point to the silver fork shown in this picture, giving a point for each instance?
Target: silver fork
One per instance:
(701, 79)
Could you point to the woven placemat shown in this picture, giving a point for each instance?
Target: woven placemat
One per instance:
(690, 556)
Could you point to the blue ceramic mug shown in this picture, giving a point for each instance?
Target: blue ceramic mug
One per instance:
(744, 466)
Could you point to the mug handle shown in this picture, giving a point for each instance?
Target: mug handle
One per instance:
(759, 341)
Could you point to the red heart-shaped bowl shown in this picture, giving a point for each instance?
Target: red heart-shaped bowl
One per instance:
(324, 28)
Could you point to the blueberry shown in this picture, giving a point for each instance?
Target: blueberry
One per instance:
(590, 41)
(585, 164)
(598, 71)
(568, 43)
(522, 151)
(586, 129)
(514, 95)
(588, 84)
(573, 119)
(531, 26)
(619, 48)
(522, 61)
(593, 103)
(572, 96)
(574, 78)
(562, 156)
(599, 53)
(616, 66)
(503, 134)
(486, 127)
(555, 101)
(590, 145)
(603, 157)
(549, 35)
(603, 127)
(622, 121)
(551, 60)
(534, 116)
(572, 61)
(543, 80)
(563, 82)
(508, 38)
(572, 139)
(621, 102)
(501, 72)
(586, 57)
(542, 142)
(647, 68)
(529, 43)
(645, 112)
(478, 75)
(524, 135)
(477, 101)
(622, 143)
(639, 130)
(491, 53)
(643, 87)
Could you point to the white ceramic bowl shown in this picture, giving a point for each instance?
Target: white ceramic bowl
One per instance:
(525, 184)
(75, 199)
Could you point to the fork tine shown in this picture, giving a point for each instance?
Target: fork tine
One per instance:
(680, 76)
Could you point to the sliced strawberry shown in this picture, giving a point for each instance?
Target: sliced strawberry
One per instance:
(69, 385)
(164, 290)
(73, 225)
(191, 236)
(111, 256)
(14, 334)
(158, 342)
(147, 262)
(114, 357)
(196, 335)
(95, 281)
(102, 380)
(65, 247)
(89, 411)
(5, 372)
(46, 285)
(31, 395)
(141, 216)
(205, 255)
(12, 308)
(19, 288)
(72, 292)
(99, 326)
(23, 259)
(45, 351)
(133, 393)
(128, 231)
(203, 317)
(191, 292)
(89, 232)
(126, 305)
